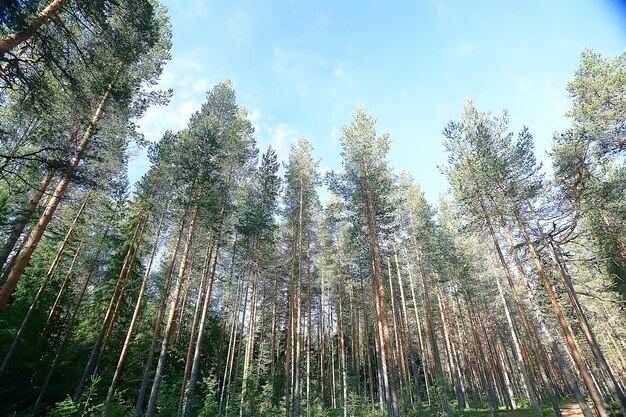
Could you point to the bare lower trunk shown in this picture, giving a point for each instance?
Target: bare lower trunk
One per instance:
(157, 325)
(340, 336)
(64, 285)
(422, 350)
(195, 367)
(522, 313)
(68, 330)
(556, 306)
(123, 276)
(244, 408)
(433, 339)
(158, 376)
(610, 380)
(232, 341)
(133, 321)
(308, 331)
(194, 325)
(44, 285)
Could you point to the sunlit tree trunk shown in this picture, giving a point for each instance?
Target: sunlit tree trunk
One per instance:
(340, 334)
(108, 317)
(308, 328)
(194, 324)
(559, 266)
(70, 326)
(42, 224)
(244, 408)
(232, 340)
(23, 219)
(158, 322)
(569, 378)
(556, 306)
(133, 321)
(44, 285)
(156, 384)
(31, 27)
(422, 350)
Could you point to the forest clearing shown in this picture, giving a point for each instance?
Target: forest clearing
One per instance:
(243, 275)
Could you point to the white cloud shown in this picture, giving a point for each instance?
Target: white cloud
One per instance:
(465, 49)
(461, 52)
(280, 135)
(254, 115)
(187, 79)
(322, 20)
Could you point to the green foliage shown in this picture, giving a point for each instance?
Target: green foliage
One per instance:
(85, 406)
(599, 100)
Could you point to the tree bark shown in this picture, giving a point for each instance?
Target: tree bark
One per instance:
(544, 328)
(156, 383)
(341, 342)
(24, 218)
(31, 27)
(110, 312)
(308, 329)
(380, 299)
(556, 306)
(244, 408)
(158, 322)
(193, 378)
(194, 324)
(133, 321)
(44, 285)
(614, 387)
(70, 326)
(522, 313)
(38, 230)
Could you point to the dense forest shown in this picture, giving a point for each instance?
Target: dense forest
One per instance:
(221, 283)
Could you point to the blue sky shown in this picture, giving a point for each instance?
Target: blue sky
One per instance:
(301, 68)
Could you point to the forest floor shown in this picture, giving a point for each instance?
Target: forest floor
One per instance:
(568, 409)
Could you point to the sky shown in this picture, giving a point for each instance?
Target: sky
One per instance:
(302, 68)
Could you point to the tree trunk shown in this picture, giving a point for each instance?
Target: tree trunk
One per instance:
(308, 328)
(44, 285)
(158, 322)
(228, 303)
(70, 326)
(341, 342)
(133, 321)
(156, 384)
(556, 306)
(419, 334)
(123, 276)
(433, 337)
(244, 408)
(381, 301)
(322, 347)
(15, 234)
(446, 334)
(573, 385)
(232, 339)
(31, 27)
(332, 361)
(522, 313)
(38, 230)
(194, 324)
(64, 285)
(559, 266)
